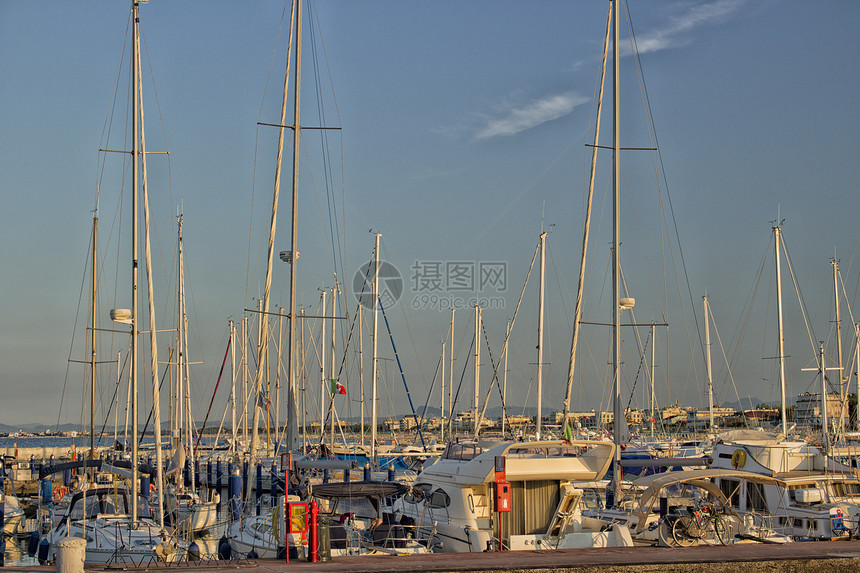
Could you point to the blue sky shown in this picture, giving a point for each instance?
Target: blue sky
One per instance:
(463, 131)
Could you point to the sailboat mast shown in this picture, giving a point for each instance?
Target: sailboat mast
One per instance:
(577, 314)
(539, 420)
(374, 369)
(477, 366)
(653, 367)
(180, 346)
(708, 364)
(835, 264)
(135, 176)
(322, 364)
(361, 370)
(333, 342)
(505, 380)
(93, 337)
(232, 328)
(442, 393)
(616, 256)
(292, 428)
(825, 427)
(780, 337)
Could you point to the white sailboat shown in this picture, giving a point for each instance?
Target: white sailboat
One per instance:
(110, 519)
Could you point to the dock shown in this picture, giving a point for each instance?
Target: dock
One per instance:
(821, 556)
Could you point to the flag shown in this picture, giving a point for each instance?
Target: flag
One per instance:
(337, 387)
(568, 432)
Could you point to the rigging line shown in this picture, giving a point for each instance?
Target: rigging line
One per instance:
(561, 292)
(152, 408)
(113, 398)
(409, 332)
(432, 387)
(349, 338)
(495, 378)
(741, 328)
(74, 332)
(810, 332)
(662, 169)
(257, 137)
(154, 222)
(402, 373)
(728, 367)
(459, 385)
(639, 369)
(845, 294)
(212, 401)
(324, 139)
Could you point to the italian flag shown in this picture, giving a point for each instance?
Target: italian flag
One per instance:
(337, 387)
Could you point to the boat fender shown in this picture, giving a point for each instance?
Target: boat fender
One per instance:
(225, 551)
(739, 458)
(33, 545)
(194, 552)
(44, 546)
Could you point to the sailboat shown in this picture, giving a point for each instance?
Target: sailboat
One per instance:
(113, 520)
(189, 512)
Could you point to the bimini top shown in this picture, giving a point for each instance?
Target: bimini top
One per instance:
(700, 478)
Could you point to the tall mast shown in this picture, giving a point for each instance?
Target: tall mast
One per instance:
(442, 393)
(618, 411)
(780, 337)
(451, 378)
(477, 366)
(577, 314)
(835, 264)
(135, 176)
(233, 428)
(505, 380)
(374, 360)
(333, 342)
(708, 365)
(292, 410)
(540, 338)
(825, 428)
(361, 370)
(179, 396)
(322, 365)
(653, 359)
(93, 338)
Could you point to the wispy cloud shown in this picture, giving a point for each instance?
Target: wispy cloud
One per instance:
(515, 120)
(674, 33)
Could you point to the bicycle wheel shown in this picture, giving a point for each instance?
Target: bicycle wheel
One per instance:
(681, 531)
(664, 533)
(708, 531)
(722, 530)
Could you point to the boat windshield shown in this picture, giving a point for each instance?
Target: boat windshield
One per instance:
(462, 451)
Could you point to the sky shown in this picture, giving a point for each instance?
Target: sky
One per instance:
(459, 132)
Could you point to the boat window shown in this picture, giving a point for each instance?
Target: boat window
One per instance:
(464, 452)
(439, 499)
(755, 497)
(732, 490)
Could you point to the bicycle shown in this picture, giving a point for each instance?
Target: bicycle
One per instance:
(697, 524)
